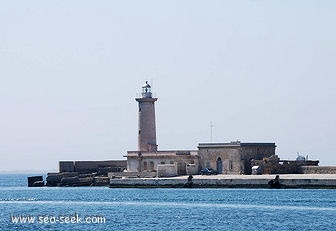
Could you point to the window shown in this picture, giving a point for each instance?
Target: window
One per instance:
(151, 165)
(162, 162)
(230, 165)
(145, 166)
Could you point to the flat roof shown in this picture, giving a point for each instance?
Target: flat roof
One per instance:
(235, 144)
(164, 153)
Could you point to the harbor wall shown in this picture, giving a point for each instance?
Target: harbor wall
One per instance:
(318, 169)
(92, 166)
(222, 183)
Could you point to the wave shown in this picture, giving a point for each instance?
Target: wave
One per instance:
(169, 204)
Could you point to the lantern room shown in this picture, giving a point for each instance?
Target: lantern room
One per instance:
(146, 90)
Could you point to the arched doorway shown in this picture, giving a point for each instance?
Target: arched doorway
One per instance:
(219, 166)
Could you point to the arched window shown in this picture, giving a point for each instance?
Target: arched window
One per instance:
(219, 163)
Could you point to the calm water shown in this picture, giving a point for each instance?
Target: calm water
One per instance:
(164, 209)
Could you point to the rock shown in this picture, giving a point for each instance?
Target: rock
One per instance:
(32, 181)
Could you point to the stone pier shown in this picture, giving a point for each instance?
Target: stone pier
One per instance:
(230, 181)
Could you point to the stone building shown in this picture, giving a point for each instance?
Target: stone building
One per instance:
(226, 158)
(166, 163)
(234, 157)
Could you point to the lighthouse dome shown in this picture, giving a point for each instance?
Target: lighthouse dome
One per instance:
(146, 90)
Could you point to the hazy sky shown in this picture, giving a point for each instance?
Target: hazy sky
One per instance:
(259, 70)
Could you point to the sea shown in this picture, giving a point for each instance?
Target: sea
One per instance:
(103, 208)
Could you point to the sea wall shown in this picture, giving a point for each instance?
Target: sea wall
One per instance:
(132, 174)
(76, 179)
(102, 167)
(318, 169)
(236, 182)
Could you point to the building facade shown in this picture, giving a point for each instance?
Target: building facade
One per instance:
(178, 162)
(234, 157)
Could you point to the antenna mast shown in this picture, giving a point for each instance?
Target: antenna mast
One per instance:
(211, 126)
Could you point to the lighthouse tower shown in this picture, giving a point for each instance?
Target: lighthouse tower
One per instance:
(147, 129)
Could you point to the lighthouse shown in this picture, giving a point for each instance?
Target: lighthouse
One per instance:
(146, 123)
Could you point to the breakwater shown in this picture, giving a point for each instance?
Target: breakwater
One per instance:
(230, 181)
